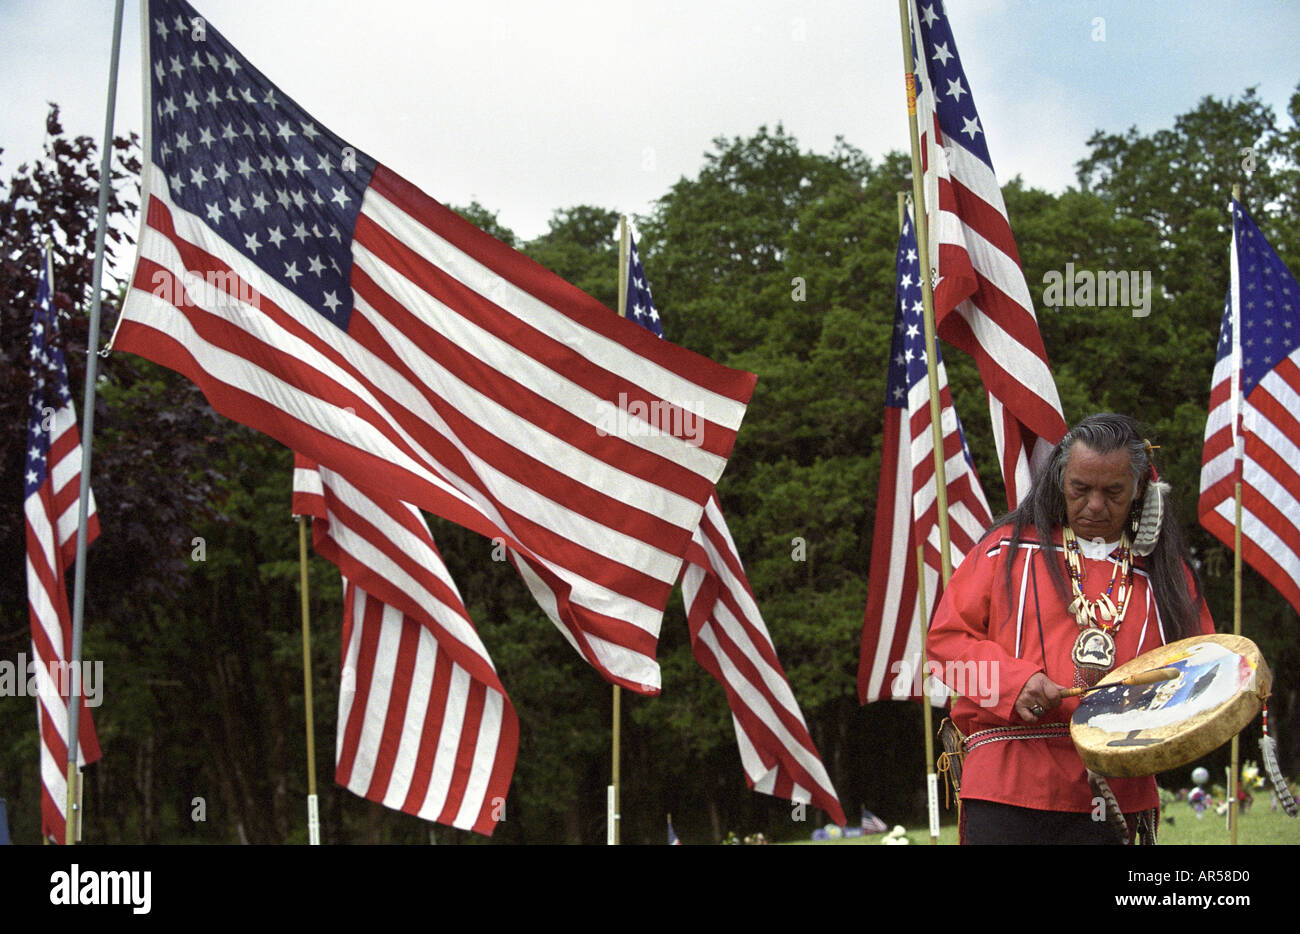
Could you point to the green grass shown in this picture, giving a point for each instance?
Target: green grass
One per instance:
(1258, 826)
(917, 835)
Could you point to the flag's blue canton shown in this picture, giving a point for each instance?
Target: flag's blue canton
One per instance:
(907, 350)
(1270, 304)
(1225, 329)
(49, 391)
(952, 98)
(238, 153)
(640, 306)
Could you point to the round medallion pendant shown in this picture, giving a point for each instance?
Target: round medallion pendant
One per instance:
(1094, 649)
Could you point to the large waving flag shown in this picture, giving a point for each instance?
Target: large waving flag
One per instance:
(982, 304)
(317, 296)
(889, 662)
(51, 492)
(730, 640)
(1254, 401)
(424, 724)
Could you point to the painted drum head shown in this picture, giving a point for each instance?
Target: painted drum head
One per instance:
(1127, 731)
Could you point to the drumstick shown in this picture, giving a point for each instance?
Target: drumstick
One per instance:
(1142, 677)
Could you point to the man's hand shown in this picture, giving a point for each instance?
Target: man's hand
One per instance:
(1039, 695)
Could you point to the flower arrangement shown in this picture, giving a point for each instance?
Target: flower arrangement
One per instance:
(896, 837)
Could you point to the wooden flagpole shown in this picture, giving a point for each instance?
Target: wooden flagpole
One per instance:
(931, 365)
(313, 807)
(931, 779)
(72, 813)
(612, 834)
(927, 295)
(1238, 451)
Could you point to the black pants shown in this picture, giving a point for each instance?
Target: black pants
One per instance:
(986, 822)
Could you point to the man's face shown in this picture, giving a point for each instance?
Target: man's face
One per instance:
(1099, 492)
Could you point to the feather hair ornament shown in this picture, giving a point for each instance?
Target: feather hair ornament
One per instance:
(1153, 510)
(1147, 525)
(1268, 753)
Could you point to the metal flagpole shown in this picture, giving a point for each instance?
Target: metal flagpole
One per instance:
(72, 821)
(313, 810)
(612, 804)
(927, 295)
(931, 779)
(1238, 452)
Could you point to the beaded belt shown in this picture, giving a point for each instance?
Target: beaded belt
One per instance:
(956, 746)
(999, 734)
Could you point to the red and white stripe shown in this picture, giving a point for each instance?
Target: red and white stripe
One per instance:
(51, 521)
(890, 655)
(982, 304)
(471, 382)
(968, 511)
(731, 641)
(424, 725)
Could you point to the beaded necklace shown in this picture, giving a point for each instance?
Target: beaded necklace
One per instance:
(1100, 619)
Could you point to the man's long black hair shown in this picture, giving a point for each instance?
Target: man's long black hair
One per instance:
(1044, 509)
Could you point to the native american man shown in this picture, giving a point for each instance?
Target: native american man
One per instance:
(1115, 582)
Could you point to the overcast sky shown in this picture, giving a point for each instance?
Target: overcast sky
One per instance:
(533, 106)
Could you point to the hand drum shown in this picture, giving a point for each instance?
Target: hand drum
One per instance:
(1127, 731)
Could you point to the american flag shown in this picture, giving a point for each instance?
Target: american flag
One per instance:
(51, 491)
(424, 724)
(871, 823)
(730, 640)
(889, 663)
(981, 301)
(1254, 401)
(315, 295)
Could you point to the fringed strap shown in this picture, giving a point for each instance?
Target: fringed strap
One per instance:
(947, 770)
(950, 760)
(1114, 816)
(1268, 753)
(1147, 823)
